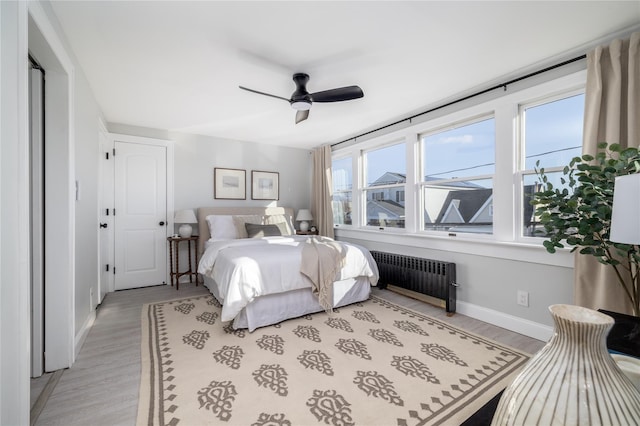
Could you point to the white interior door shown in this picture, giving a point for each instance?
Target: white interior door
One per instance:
(105, 216)
(140, 218)
(36, 115)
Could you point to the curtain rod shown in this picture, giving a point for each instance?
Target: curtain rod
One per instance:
(473, 95)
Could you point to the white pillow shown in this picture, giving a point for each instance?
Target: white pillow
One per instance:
(280, 218)
(221, 227)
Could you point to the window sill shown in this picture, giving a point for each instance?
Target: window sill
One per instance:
(522, 252)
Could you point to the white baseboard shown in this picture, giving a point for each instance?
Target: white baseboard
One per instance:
(82, 334)
(519, 325)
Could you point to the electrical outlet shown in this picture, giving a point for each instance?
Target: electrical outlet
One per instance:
(523, 298)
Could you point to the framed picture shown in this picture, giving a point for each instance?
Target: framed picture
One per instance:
(264, 185)
(229, 184)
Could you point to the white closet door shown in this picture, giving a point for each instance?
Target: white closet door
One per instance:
(36, 111)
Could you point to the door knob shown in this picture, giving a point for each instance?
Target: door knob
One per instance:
(161, 223)
(103, 225)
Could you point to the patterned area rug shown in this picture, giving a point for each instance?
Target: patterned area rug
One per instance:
(372, 363)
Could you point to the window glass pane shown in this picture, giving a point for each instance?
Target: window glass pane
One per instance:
(531, 226)
(386, 165)
(465, 151)
(465, 206)
(385, 206)
(342, 191)
(341, 174)
(341, 204)
(553, 132)
(383, 210)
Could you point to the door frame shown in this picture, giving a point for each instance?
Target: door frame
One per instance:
(49, 50)
(168, 144)
(103, 135)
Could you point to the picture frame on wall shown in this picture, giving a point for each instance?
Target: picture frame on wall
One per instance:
(229, 184)
(265, 185)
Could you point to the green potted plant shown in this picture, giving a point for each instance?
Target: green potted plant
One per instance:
(578, 212)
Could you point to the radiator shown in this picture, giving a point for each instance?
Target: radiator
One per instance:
(432, 278)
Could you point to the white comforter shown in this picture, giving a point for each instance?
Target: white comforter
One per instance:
(247, 268)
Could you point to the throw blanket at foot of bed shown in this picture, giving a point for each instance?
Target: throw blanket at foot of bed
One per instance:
(322, 259)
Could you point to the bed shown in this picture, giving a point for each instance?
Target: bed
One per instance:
(258, 280)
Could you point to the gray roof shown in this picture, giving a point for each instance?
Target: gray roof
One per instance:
(470, 202)
(393, 210)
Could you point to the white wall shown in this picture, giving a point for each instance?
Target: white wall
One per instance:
(489, 281)
(72, 147)
(83, 158)
(86, 207)
(14, 219)
(196, 156)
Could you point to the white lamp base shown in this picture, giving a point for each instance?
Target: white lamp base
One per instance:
(304, 226)
(185, 230)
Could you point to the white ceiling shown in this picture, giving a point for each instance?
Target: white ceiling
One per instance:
(176, 65)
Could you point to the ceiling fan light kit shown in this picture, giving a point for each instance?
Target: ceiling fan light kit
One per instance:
(301, 99)
(301, 105)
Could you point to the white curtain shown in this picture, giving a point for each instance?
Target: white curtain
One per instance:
(612, 114)
(322, 191)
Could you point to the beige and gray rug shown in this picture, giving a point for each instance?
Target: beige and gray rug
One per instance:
(372, 363)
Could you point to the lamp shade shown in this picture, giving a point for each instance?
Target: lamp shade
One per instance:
(185, 216)
(625, 216)
(304, 214)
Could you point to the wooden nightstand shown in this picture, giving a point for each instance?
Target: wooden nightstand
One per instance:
(306, 232)
(174, 245)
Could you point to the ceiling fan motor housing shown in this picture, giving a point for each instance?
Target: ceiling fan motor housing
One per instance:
(300, 99)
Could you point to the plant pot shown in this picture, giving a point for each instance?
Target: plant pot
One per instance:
(572, 380)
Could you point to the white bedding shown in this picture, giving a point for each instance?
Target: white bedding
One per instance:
(245, 269)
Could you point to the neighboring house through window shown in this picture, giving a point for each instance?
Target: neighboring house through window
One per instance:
(385, 176)
(458, 167)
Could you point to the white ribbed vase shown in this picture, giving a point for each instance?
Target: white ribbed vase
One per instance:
(572, 380)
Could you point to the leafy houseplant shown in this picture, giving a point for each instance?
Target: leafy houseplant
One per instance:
(579, 212)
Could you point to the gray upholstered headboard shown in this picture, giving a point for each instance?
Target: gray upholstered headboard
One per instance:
(203, 212)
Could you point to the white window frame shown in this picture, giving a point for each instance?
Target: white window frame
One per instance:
(505, 241)
(362, 192)
(422, 184)
(521, 172)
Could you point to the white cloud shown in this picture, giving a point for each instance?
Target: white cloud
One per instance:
(459, 139)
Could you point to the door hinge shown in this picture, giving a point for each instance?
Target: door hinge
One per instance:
(114, 270)
(106, 212)
(107, 267)
(114, 212)
(114, 152)
(106, 154)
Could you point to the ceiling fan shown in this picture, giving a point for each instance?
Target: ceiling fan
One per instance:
(301, 99)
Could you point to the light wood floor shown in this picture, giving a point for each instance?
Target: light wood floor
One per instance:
(101, 388)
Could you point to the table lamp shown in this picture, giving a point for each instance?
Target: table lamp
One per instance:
(304, 216)
(185, 217)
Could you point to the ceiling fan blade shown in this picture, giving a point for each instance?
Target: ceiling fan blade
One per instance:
(337, 95)
(302, 115)
(263, 93)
